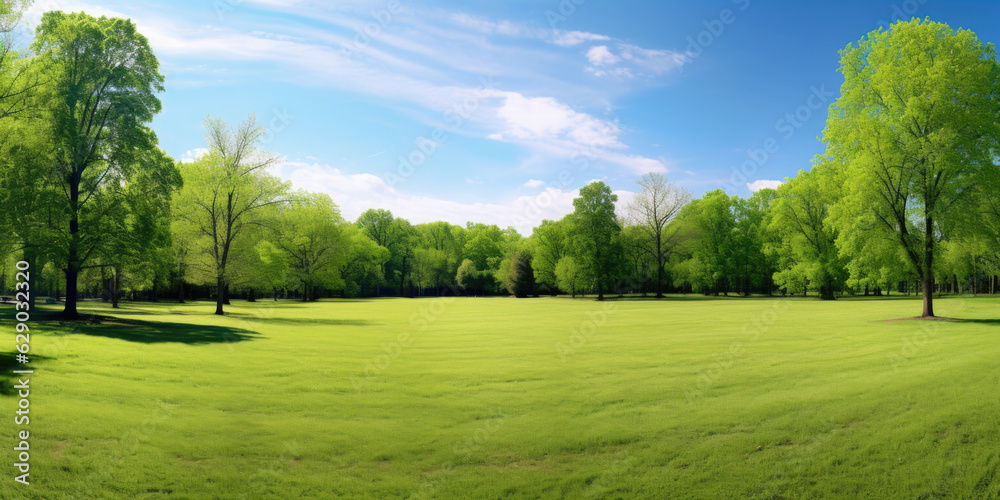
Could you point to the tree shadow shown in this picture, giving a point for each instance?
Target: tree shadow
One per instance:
(983, 321)
(9, 363)
(303, 321)
(156, 332)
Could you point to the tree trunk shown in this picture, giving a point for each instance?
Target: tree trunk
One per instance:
(114, 288)
(927, 286)
(72, 260)
(253, 295)
(928, 274)
(659, 271)
(219, 299)
(225, 294)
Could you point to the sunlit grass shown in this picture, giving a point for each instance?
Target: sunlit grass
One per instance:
(497, 397)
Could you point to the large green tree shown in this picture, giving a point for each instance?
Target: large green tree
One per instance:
(225, 193)
(597, 230)
(104, 78)
(916, 129)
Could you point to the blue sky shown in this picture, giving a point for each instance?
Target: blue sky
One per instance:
(499, 112)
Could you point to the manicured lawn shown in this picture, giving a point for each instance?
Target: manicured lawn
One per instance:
(506, 398)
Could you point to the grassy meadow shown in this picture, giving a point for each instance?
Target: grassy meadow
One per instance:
(687, 397)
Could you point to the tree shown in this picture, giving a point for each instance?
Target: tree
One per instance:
(652, 209)
(572, 277)
(224, 193)
(915, 128)
(707, 227)
(597, 230)
(521, 277)
(799, 218)
(468, 276)
(20, 77)
(308, 230)
(105, 78)
(551, 244)
(377, 223)
(363, 266)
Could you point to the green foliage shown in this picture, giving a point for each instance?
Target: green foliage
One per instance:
(364, 264)
(226, 193)
(103, 80)
(915, 130)
(309, 231)
(551, 243)
(520, 280)
(806, 241)
(572, 277)
(596, 229)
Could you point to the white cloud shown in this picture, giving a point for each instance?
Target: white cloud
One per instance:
(573, 38)
(552, 128)
(192, 155)
(494, 27)
(761, 184)
(533, 183)
(633, 61)
(547, 118)
(600, 56)
(355, 193)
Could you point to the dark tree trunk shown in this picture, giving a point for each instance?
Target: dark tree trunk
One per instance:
(73, 257)
(114, 288)
(219, 296)
(225, 294)
(927, 286)
(180, 292)
(253, 295)
(928, 274)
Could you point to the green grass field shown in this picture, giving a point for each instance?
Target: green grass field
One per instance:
(508, 398)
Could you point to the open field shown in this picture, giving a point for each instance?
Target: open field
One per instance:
(499, 398)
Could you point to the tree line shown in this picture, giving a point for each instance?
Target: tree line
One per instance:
(905, 198)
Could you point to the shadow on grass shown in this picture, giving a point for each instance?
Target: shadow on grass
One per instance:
(304, 321)
(995, 322)
(155, 332)
(8, 363)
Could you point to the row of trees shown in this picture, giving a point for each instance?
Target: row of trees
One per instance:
(904, 198)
